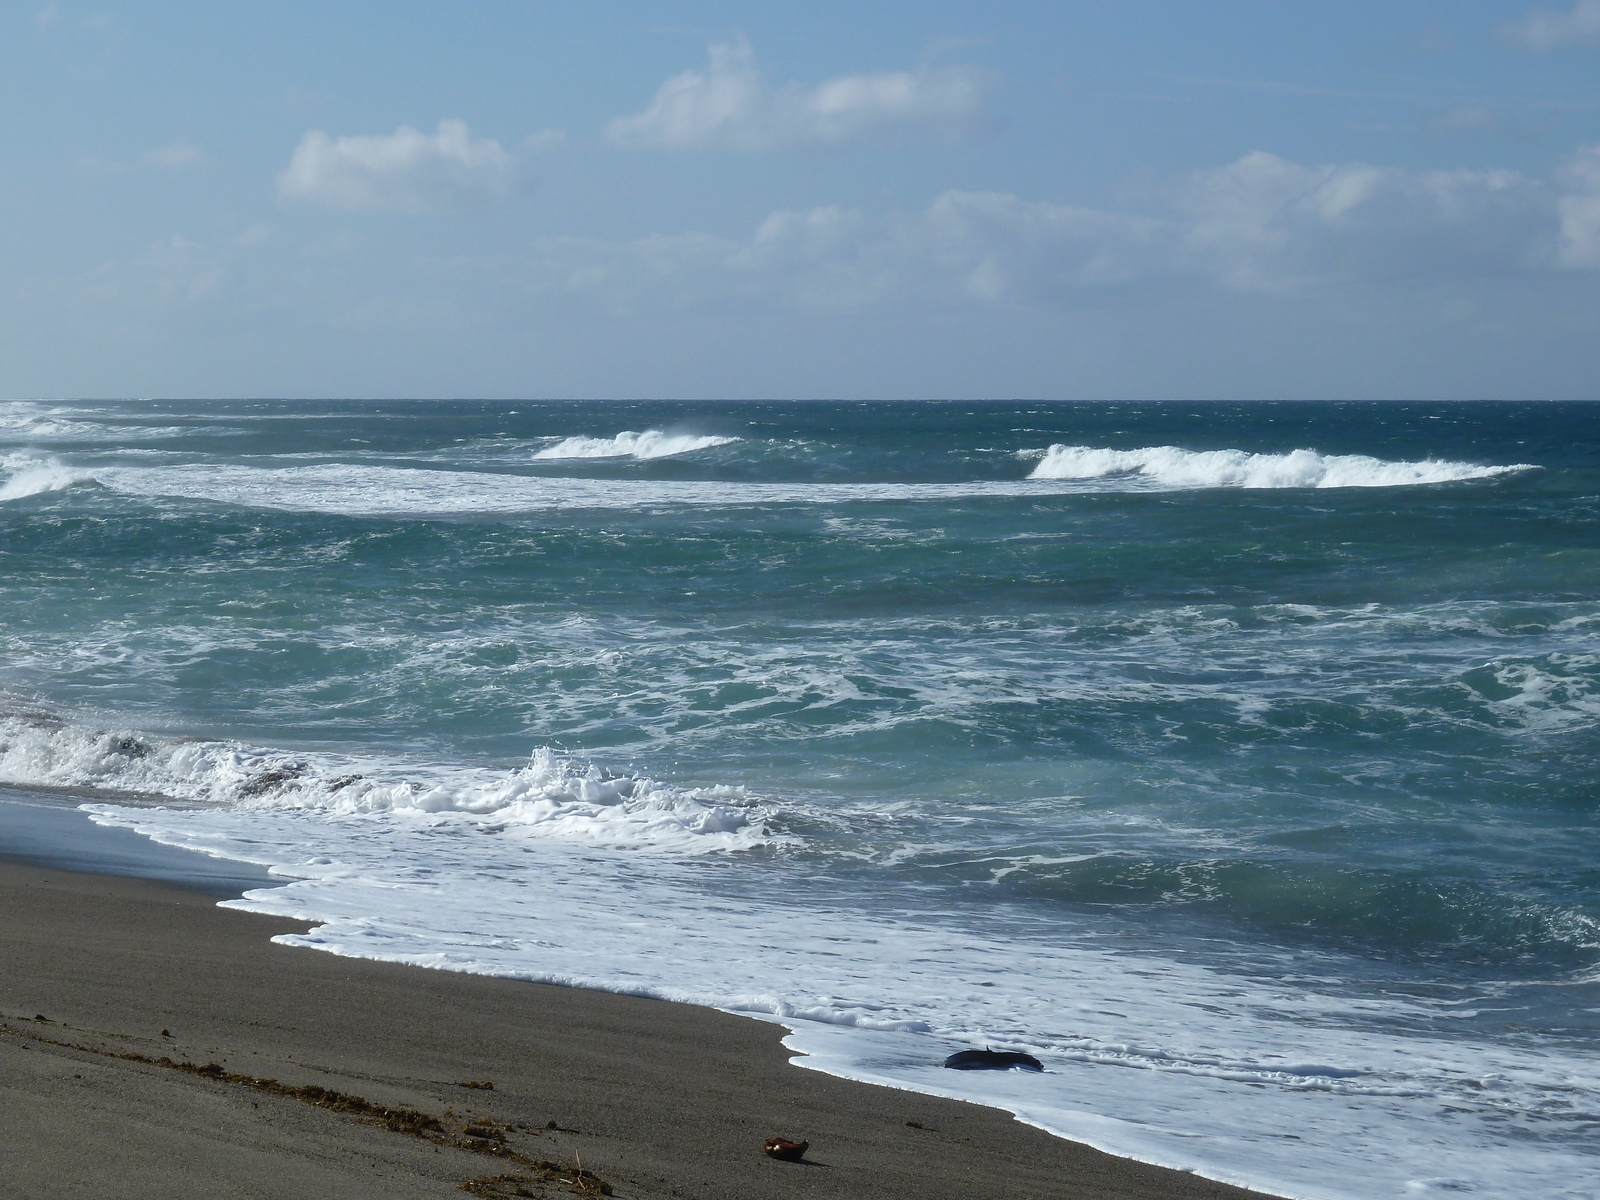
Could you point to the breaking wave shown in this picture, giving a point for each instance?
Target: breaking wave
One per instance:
(550, 797)
(383, 491)
(24, 421)
(652, 443)
(31, 476)
(1172, 467)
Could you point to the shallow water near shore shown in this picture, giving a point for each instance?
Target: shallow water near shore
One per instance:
(50, 830)
(1234, 760)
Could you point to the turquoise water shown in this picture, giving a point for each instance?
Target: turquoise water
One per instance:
(1237, 759)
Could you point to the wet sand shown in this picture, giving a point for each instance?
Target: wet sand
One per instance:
(656, 1099)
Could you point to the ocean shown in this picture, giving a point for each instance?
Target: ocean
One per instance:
(1238, 761)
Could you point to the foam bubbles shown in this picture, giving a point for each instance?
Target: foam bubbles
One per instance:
(652, 443)
(360, 490)
(550, 797)
(31, 477)
(29, 421)
(1270, 1079)
(1172, 467)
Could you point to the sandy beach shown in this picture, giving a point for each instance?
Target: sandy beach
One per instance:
(118, 994)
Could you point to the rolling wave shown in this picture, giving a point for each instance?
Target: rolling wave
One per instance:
(31, 476)
(550, 797)
(360, 489)
(1173, 467)
(26, 421)
(353, 490)
(652, 443)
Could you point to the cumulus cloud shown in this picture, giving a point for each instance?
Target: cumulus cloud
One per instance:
(406, 171)
(1261, 224)
(964, 248)
(1544, 30)
(729, 105)
(1264, 222)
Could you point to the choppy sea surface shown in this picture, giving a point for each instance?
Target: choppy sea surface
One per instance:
(1238, 761)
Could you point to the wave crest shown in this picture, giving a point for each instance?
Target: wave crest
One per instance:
(31, 476)
(551, 797)
(28, 421)
(652, 443)
(1173, 467)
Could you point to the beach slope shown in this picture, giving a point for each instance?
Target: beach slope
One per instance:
(654, 1099)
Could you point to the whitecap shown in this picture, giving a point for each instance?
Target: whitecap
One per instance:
(551, 797)
(32, 476)
(652, 443)
(28, 421)
(1174, 467)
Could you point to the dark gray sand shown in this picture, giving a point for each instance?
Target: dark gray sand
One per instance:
(656, 1099)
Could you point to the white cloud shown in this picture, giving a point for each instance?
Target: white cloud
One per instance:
(1580, 210)
(172, 158)
(1544, 30)
(1265, 223)
(1261, 224)
(407, 171)
(964, 249)
(1259, 276)
(729, 105)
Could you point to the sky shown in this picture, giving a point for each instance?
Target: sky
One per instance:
(1148, 199)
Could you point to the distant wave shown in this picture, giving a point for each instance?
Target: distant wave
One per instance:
(364, 490)
(652, 443)
(356, 490)
(24, 421)
(1170, 466)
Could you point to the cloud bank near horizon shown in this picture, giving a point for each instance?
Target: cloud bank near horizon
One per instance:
(1260, 224)
(852, 210)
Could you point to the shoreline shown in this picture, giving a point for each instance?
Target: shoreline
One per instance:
(656, 1098)
(45, 827)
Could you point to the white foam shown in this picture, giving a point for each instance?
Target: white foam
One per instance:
(28, 421)
(362, 490)
(550, 796)
(31, 476)
(555, 871)
(1266, 1081)
(652, 443)
(368, 490)
(1172, 467)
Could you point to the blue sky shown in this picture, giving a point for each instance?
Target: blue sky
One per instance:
(1067, 200)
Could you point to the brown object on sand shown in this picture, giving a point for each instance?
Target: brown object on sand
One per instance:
(783, 1148)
